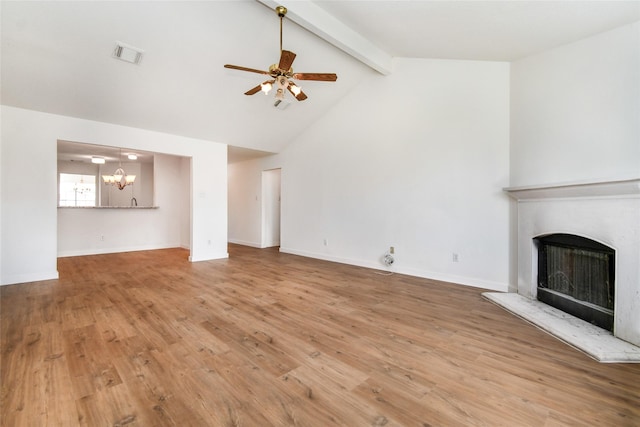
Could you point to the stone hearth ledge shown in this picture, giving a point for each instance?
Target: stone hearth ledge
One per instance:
(596, 342)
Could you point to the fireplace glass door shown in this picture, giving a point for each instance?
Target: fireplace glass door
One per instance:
(577, 276)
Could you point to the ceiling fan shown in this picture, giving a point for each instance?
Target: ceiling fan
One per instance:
(282, 74)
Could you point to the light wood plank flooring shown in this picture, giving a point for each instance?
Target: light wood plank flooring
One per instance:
(270, 339)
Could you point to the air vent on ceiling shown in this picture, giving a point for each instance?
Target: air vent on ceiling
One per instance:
(127, 53)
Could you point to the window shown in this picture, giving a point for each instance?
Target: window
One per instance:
(77, 190)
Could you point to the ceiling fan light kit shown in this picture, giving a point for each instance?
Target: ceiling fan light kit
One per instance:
(282, 73)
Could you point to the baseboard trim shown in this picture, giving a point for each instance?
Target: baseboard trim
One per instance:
(222, 255)
(424, 274)
(27, 278)
(245, 243)
(104, 251)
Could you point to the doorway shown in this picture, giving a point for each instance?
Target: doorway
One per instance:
(271, 180)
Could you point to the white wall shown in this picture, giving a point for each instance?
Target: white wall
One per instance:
(144, 191)
(575, 111)
(29, 212)
(414, 160)
(185, 201)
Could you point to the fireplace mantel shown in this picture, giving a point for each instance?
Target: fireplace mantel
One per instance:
(628, 187)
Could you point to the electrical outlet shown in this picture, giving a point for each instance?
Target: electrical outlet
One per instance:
(392, 250)
(454, 257)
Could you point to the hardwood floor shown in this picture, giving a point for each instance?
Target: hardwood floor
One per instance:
(264, 338)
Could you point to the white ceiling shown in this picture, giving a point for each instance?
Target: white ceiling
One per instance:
(479, 30)
(56, 56)
(82, 152)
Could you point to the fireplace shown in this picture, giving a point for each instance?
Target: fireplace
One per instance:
(603, 218)
(577, 276)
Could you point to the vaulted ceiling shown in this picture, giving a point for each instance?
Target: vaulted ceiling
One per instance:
(57, 56)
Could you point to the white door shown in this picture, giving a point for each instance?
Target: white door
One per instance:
(271, 208)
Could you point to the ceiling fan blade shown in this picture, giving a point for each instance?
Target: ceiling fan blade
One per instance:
(258, 88)
(251, 70)
(286, 59)
(254, 90)
(325, 77)
(300, 96)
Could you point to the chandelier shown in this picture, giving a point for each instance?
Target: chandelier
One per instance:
(119, 178)
(81, 187)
